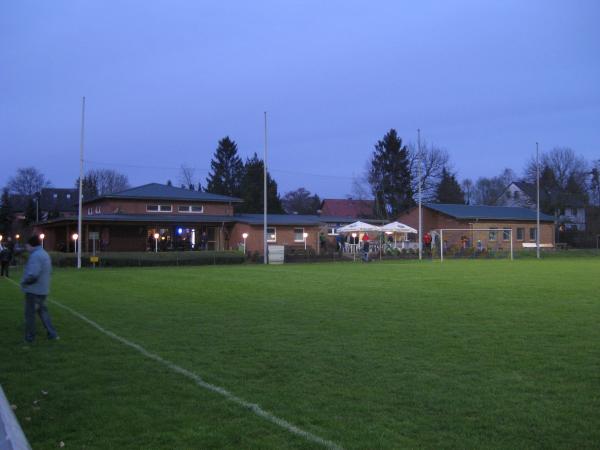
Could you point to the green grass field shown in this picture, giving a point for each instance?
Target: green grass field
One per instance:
(465, 354)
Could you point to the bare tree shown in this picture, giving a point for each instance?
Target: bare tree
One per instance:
(103, 182)
(595, 183)
(187, 176)
(359, 188)
(467, 187)
(433, 161)
(488, 191)
(564, 164)
(27, 181)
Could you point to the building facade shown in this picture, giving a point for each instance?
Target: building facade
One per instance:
(166, 218)
(469, 219)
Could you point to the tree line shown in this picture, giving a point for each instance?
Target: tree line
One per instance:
(391, 177)
(394, 169)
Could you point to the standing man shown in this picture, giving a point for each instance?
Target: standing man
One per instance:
(365, 241)
(6, 254)
(36, 286)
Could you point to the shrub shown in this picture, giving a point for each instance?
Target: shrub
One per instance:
(148, 259)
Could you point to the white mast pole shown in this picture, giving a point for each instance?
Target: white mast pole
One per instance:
(265, 258)
(79, 217)
(537, 230)
(419, 162)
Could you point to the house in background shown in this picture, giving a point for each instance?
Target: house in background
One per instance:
(183, 220)
(523, 194)
(522, 222)
(48, 203)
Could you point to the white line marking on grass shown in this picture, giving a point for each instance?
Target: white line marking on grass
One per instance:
(256, 409)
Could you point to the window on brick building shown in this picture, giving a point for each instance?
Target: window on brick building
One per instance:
(520, 234)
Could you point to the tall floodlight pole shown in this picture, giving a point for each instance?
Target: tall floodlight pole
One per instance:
(419, 162)
(265, 258)
(537, 171)
(79, 216)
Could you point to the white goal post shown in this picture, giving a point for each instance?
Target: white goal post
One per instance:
(473, 230)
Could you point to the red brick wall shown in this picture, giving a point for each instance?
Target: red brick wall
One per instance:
(433, 220)
(285, 236)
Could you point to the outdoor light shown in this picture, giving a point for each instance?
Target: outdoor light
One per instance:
(0, 238)
(42, 236)
(17, 236)
(305, 235)
(156, 236)
(179, 230)
(75, 236)
(245, 236)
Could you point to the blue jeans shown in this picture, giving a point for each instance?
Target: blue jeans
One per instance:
(37, 303)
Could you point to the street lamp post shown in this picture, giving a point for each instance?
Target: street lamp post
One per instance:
(42, 236)
(156, 236)
(354, 247)
(75, 238)
(245, 236)
(305, 235)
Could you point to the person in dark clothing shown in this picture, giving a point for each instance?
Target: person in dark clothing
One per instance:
(36, 286)
(6, 254)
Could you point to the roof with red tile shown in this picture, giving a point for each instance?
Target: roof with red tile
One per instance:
(347, 207)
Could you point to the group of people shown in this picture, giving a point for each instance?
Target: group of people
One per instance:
(342, 240)
(35, 284)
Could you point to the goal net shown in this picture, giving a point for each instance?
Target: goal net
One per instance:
(448, 243)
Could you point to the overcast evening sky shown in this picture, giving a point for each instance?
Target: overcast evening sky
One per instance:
(165, 80)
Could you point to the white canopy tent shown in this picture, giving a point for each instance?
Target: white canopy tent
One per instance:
(360, 227)
(397, 227)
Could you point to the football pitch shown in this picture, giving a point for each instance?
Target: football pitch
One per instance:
(464, 354)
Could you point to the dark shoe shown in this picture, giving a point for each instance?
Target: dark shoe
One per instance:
(54, 338)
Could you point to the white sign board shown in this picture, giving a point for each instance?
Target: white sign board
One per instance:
(276, 254)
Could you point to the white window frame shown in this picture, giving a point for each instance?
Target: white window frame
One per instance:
(301, 236)
(269, 239)
(68, 195)
(90, 211)
(329, 231)
(495, 238)
(189, 209)
(534, 238)
(160, 208)
(98, 210)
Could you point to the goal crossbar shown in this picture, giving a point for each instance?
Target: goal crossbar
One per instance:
(441, 230)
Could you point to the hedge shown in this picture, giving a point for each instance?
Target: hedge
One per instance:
(149, 259)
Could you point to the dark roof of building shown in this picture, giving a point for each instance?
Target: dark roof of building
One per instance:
(250, 219)
(459, 211)
(290, 219)
(347, 207)
(58, 199)
(565, 198)
(162, 218)
(157, 191)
